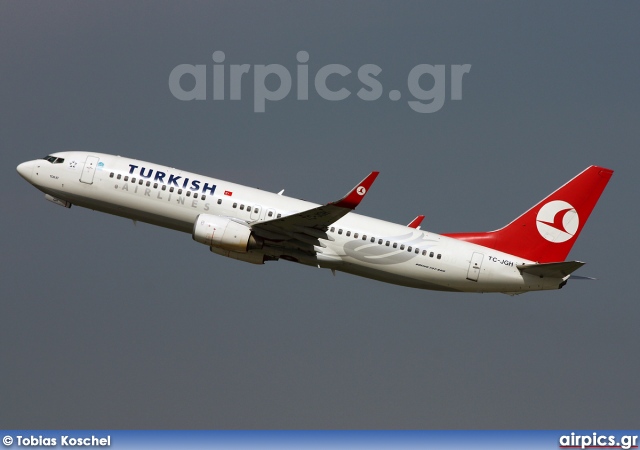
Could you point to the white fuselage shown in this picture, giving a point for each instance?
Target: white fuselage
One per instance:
(356, 244)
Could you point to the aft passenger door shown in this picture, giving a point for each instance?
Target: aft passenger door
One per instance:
(474, 266)
(89, 169)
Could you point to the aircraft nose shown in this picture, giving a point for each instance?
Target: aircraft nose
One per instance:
(25, 169)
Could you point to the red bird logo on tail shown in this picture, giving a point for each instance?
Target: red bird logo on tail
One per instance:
(557, 221)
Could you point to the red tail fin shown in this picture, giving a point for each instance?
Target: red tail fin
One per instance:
(547, 231)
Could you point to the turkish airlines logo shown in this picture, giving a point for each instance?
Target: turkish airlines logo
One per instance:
(557, 221)
(361, 190)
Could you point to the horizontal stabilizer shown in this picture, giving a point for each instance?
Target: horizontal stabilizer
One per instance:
(551, 270)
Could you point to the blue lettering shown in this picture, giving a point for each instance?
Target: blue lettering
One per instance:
(185, 183)
(173, 179)
(142, 173)
(159, 176)
(132, 168)
(195, 185)
(206, 188)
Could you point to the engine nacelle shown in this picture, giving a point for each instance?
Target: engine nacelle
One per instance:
(224, 233)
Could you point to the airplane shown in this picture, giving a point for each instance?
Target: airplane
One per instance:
(255, 226)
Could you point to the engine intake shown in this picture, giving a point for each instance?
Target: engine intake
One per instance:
(224, 233)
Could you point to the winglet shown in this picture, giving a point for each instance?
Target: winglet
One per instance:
(415, 223)
(355, 196)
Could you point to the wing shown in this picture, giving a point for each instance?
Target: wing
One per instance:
(306, 227)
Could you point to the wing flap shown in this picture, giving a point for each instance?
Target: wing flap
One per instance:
(551, 270)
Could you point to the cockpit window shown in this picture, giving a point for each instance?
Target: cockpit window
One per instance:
(53, 159)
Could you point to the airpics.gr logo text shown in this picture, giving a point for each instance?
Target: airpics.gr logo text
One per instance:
(227, 82)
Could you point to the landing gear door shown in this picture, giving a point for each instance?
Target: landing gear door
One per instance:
(89, 169)
(474, 267)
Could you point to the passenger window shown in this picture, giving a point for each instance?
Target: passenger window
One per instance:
(379, 241)
(203, 197)
(348, 233)
(395, 245)
(241, 207)
(171, 189)
(126, 178)
(164, 187)
(111, 175)
(417, 251)
(188, 193)
(340, 231)
(364, 237)
(141, 181)
(333, 229)
(119, 176)
(424, 253)
(155, 185)
(439, 256)
(279, 215)
(219, 201)
(133, 180)
(148, 183)
(270, 214)
(387, 243)
(235, 205)
(355, 235)
(179, 191)
(431, 255)
(402, 247)
(373, 239)
(409, 249)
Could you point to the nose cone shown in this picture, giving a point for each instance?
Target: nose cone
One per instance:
(25, 169)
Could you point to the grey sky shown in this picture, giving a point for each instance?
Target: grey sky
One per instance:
(111, 325)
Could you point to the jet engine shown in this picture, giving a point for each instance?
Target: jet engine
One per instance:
(224, 233)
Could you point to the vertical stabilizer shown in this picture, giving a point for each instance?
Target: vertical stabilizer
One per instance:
(546, 232)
